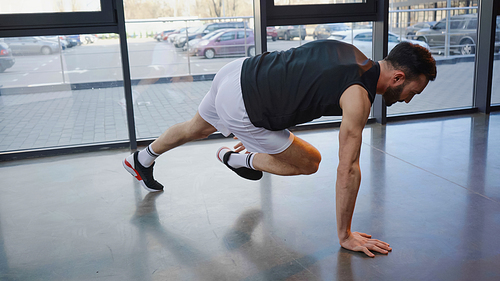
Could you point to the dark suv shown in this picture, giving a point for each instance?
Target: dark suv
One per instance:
(323, 31)
(6, 59)
(463, 35)
(289, 32)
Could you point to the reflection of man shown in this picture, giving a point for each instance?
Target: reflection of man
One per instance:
(164, 63)
(258, 98)
(273, 260)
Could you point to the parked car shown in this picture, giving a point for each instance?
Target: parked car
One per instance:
(289, 32)
(230, 42)
(31, 45)
(74, 39)
(161, 36)
(88, 38)
(462, 33)
(210, 27)
(158, 36)
(6, 58)
(192, 33)
(363, 38)
(206, 29)
(71, 41)
(323, 31)
(412, 29)
(272, 33)
(193, 44)
(59, 40)
(172, 36)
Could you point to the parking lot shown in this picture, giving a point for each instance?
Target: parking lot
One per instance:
(101, 61)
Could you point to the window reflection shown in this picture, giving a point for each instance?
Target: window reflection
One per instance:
(173, 70)
(57, 91)
(451, 36)
(495, 87)
(49, 6)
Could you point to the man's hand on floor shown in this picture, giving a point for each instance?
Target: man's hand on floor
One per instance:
(362, 242)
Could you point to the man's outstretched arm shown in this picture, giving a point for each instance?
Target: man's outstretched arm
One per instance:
(356, 109)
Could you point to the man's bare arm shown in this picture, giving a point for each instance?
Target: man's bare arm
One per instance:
(356, 109)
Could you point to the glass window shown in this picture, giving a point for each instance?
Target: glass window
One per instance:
(172, 72)
(495, 87)
(366, 36)
(338, 27)
(241, 34)
(472, 24)
(440, 25)
(453, 87)
(393, 38)
(315, 2)
(59, 91)
(457, 24)
(54, 6)
(291, 36)
(227, 36)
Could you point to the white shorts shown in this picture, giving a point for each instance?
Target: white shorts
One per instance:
(223, 108)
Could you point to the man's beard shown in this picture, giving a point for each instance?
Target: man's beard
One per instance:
(393, 94)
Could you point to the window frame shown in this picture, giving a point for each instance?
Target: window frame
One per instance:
(64, 23)
(320, 13)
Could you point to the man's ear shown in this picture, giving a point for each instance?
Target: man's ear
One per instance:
(398, 78)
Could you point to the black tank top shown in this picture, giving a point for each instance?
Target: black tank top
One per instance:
(286, 88)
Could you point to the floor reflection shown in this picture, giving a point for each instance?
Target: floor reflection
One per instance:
(378, 179)
(475, 212)
(270, 259)
(344, 266)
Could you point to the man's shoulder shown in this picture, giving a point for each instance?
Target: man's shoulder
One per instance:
(355, 97)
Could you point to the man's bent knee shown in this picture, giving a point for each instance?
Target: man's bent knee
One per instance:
(301, 155)
(310, 165)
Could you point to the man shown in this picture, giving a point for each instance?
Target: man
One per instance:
(258, 98)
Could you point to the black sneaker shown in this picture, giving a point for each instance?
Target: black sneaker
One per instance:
(142, 174)
(244, 172)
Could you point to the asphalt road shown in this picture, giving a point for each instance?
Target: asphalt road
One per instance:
(101, 61)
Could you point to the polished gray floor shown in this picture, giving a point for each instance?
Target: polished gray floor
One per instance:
(430, 188)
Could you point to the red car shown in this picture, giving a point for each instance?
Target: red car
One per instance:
(228, 42)
(272, 33)
(164, 34)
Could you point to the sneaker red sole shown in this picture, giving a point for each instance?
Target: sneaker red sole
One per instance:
(136, 175)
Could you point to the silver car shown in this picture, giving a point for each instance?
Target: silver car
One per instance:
(31, 45)
(462, 35)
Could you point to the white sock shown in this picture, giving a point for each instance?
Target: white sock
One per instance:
(238, 160)
(147, 156)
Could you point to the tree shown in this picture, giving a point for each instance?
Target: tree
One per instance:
(224, 8)
(146, 9)
(60, 7)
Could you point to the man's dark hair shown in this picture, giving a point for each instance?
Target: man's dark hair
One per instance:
(413, 60)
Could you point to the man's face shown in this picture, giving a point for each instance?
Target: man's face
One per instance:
(405, 91)
(393, 94)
